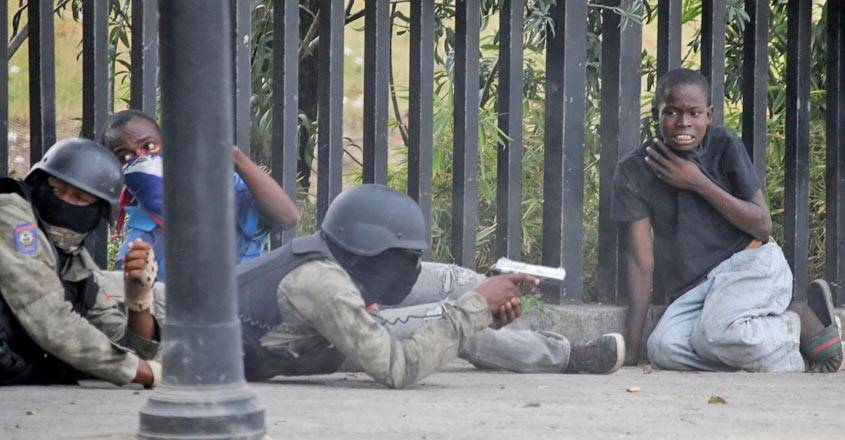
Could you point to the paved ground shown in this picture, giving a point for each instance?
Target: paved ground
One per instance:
(463, 403)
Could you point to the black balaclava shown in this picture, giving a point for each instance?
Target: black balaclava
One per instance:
(66, 224)
(386, 278)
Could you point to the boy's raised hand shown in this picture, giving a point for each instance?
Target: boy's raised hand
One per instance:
(277, 209)
(671, 168)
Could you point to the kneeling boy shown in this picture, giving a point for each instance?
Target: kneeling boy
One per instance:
(695, 188)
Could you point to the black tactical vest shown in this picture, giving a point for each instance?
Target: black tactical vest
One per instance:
(258, 311)
(22, 361)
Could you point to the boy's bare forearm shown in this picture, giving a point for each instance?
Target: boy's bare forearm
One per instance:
(142, 324)
(639, 266)
(751, 216)
(639, 298)
(277, 209)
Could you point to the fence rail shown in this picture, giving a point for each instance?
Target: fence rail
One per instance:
(566, 65)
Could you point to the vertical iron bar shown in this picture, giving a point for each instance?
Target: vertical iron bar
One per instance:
(669, 38)
(4, 89)
(755, 74)
(465, 147)
(713, 17)
(620, 133)
(203, 393)
(330, 106)
(509, 107)
(421, 108)
(242, 92)
(797, 157)
(376, 82)
(95, 94)
(95, 69)
(563, 178)
(42, 79)
(668, 35)
(285, 101)
(835, 232)
(144, 53)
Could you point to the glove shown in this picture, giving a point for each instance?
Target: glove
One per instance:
(155, 367)
(140, 270)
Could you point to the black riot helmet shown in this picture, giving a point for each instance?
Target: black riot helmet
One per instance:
(84, 164)
(368, 219)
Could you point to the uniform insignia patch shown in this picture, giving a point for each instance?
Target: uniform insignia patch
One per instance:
(26, 238)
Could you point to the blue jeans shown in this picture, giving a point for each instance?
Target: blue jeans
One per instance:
(521, 351)
(736, 319)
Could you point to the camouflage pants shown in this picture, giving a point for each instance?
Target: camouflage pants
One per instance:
(521, 351)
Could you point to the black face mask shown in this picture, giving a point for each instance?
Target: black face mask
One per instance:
(56, 212)
(386, 278)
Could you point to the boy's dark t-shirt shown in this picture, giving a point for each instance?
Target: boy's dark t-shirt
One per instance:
(690, 236)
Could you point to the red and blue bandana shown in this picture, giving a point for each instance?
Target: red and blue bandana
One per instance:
(144, 180)
(26, 238)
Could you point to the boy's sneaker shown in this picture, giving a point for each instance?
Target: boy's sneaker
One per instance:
(602, 355)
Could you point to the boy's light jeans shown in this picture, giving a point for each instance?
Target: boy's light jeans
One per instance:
(735, 319)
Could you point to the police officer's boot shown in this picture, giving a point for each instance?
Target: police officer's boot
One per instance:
(602, 355)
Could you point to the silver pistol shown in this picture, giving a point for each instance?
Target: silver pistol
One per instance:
(546, 274)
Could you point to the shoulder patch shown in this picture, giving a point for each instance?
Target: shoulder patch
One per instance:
(26, 238)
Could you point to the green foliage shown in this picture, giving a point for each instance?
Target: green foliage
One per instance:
(534, 34)
(775, 168)
(112, 248)
(534, 37)
(534, 301)
(118, 37)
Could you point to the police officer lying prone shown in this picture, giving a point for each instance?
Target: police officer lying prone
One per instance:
(356, 293)
(57, 322)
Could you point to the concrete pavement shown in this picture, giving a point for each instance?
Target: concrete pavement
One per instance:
(463, 403)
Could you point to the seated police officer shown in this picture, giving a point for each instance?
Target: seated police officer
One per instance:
(327, 297)
(56, 322)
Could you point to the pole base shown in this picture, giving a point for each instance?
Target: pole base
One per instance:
(202, 412)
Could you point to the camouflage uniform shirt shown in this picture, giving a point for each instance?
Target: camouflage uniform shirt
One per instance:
(35, 295)
(318, 301)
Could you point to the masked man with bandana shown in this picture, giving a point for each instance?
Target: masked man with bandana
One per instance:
(356, 291)
(57, 323)
(261, 205)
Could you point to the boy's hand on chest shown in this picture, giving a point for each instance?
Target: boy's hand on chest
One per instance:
(673, 169)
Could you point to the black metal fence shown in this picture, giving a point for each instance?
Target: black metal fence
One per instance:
(566, 60)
